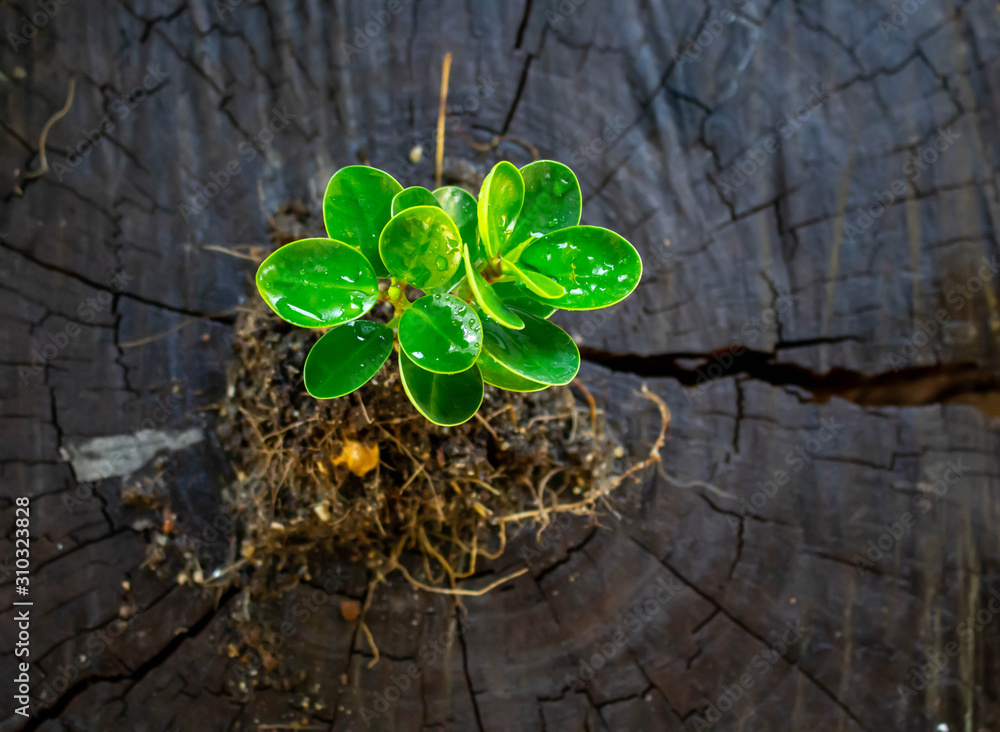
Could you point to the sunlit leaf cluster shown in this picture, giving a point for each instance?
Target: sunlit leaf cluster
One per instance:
(490, 272)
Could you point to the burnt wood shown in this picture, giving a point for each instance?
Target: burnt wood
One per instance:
(810, 185)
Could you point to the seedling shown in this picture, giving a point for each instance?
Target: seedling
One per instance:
(491, 272)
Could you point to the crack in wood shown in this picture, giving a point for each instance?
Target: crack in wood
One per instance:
(909, 386)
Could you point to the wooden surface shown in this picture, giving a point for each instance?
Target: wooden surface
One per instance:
(779, 263)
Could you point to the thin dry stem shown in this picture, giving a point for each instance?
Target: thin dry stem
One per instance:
(439, 155)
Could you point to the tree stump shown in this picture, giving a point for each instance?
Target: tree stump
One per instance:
(813, 189)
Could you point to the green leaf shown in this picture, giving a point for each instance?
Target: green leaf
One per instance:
(445, 399)
(413, 196)
(315, 283)
(346, 358)
(461, 206)
(596, 266)
(421, 246)
(357, 206)
(441, 333)
(487, 299)
(538, 283)
(500, 200)
(517, 296)
(541, 351)
(552, 201)
(495, 374)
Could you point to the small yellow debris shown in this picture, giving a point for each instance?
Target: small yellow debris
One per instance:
(416, 154)
(359, 458)
(169, 520)
(321, 510)
(350, 610)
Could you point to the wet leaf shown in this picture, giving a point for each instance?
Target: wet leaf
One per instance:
(498, 375)
(538, 283)
(596, 266)
(316, 283)
(552, 201)
(500, 200)
(444, 399)
(357, 206)
(461, 206)
(346, 358)
(541, 351)
(486, 298)
(441, 333)
(421, 246)
(517, 296)
(413, 196)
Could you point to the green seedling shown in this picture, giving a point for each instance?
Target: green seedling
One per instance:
(491, 272)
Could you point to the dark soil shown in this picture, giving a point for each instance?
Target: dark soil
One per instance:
(367, 472)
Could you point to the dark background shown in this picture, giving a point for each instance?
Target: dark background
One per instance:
(813, 189)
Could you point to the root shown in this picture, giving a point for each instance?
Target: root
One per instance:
(459, 591)
(44, 168)
(543, 515)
